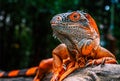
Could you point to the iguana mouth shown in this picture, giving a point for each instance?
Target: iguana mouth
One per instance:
(53, 24)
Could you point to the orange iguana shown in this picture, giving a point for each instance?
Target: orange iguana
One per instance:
(80, 46)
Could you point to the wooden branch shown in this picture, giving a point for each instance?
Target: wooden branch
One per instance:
(108, 72)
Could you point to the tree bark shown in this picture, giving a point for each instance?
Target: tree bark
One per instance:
(107, 72)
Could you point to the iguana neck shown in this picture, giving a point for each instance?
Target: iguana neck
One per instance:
(71, 39)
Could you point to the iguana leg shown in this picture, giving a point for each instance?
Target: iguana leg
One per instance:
(102, 55)
(104, 60)
(60, 53)
(45, 66)
(55, 64)
(73, 66)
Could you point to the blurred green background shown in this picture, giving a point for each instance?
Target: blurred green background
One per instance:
(26, 35)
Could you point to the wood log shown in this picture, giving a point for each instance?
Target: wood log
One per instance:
(107, 72)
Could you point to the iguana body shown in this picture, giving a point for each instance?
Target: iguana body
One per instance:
(79, 32)
(80, 46)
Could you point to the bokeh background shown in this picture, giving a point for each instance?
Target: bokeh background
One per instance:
(26, 34)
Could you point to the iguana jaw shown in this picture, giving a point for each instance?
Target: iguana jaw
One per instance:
(70, 34)
(75, 30)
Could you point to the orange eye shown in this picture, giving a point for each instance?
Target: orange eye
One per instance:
(75, 16)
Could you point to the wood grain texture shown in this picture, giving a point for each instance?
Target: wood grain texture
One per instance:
(108, 72)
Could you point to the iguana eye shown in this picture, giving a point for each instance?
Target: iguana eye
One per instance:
(75, 16)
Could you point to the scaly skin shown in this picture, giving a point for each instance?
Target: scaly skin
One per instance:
(80, 46)
(79, 32)
(20, 72)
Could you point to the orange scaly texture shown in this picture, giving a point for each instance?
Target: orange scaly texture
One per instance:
(13, 73)
(1, 74)
(31, 71)
(23, 72)
(80, 44)
(92, 23)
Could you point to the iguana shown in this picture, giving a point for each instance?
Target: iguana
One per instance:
(80, 46)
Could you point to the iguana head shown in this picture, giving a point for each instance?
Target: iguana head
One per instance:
(71, 27)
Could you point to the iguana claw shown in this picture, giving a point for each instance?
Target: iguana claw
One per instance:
(54, 78)
(102, 61)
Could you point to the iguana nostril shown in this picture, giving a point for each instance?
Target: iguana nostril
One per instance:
(58, 18)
